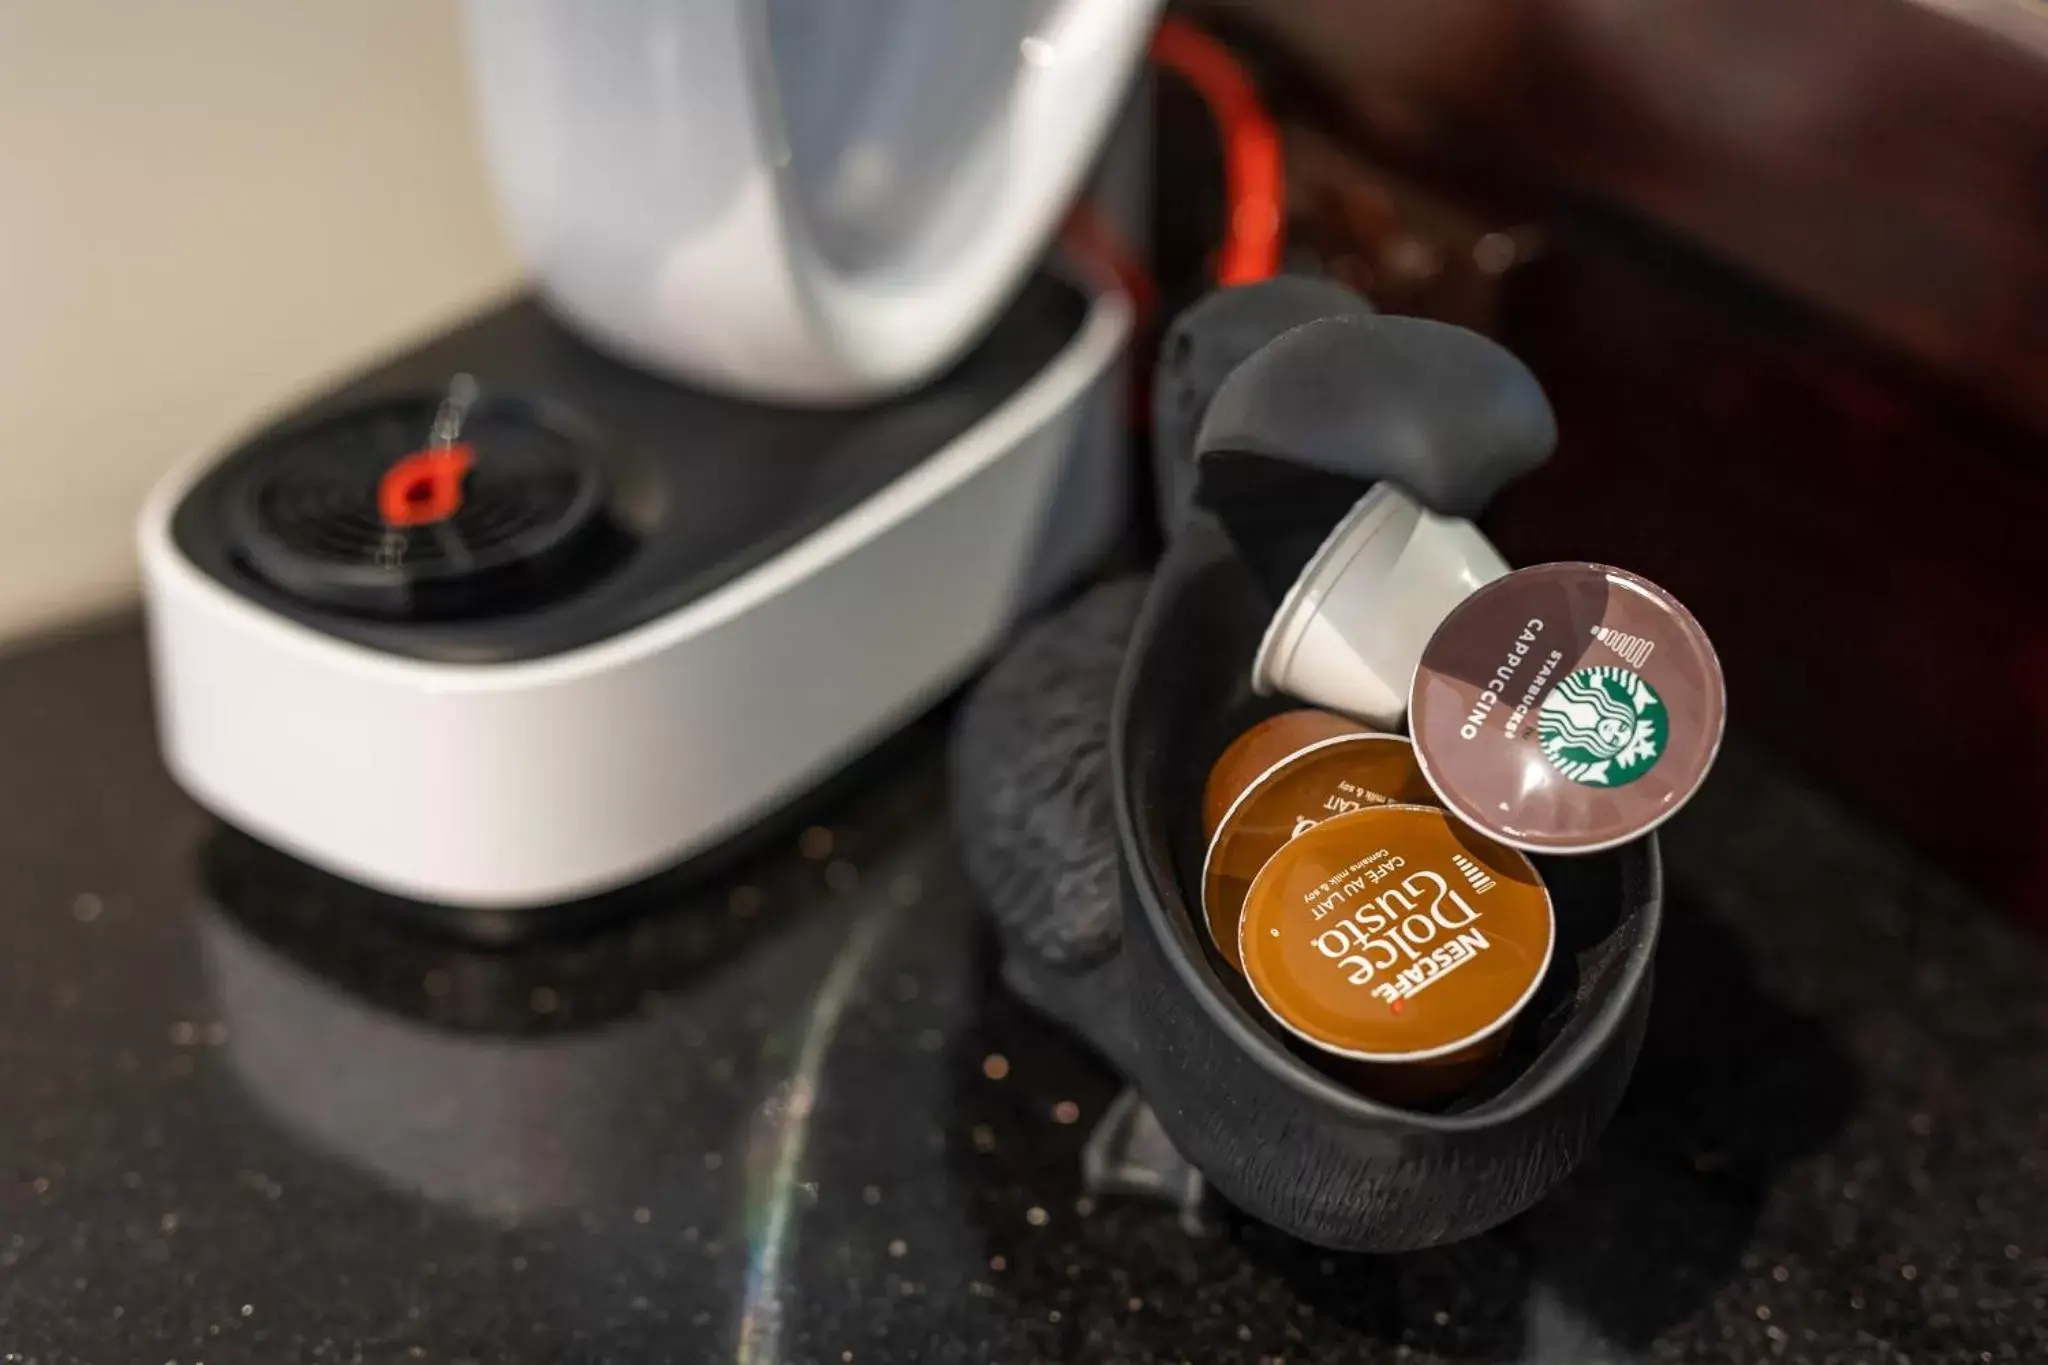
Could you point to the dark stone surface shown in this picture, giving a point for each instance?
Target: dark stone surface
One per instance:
(770, 1123)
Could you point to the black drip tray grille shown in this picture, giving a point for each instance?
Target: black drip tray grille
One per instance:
(422, 506)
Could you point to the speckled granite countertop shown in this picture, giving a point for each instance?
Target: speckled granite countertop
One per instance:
(789, 1118)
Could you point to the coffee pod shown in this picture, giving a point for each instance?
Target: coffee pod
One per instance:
(1398, 936)
(1352, 627)
(1295, 790)
(1262, 747)
(1567, 708)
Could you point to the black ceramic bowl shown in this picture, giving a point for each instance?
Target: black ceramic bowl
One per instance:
(1278, 1137)
(1078, 770)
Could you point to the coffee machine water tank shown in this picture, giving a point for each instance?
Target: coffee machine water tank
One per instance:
(814, 201)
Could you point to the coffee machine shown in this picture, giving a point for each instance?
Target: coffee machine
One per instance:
(794, 423)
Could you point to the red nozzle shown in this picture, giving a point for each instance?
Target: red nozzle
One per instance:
(425, 486)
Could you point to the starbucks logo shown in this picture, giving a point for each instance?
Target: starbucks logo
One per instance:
(1604, 727)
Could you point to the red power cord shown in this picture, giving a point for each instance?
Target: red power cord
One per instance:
(1254, 190)
(1254, 179)
(1254, 175)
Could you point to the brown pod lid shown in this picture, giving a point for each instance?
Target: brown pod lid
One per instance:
(1396, 934)
(1567, 708)
(1261, 747)
(1325, 778)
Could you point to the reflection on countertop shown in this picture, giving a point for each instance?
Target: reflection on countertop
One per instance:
(787, 1115)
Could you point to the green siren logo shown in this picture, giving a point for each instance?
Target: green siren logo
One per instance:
(1604, 727)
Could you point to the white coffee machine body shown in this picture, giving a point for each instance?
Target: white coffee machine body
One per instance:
(749, 224)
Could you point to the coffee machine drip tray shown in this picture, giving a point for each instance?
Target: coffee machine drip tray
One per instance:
(504, 622)
(700, 488)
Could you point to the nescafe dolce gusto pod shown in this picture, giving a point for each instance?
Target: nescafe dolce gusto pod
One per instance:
(1079, 766)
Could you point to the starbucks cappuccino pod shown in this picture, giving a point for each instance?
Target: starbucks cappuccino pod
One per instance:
(1330, 774)
(1350, 630)
(1567, 708)
(1396, 935)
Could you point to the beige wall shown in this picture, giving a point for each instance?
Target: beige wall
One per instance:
(207, 206)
